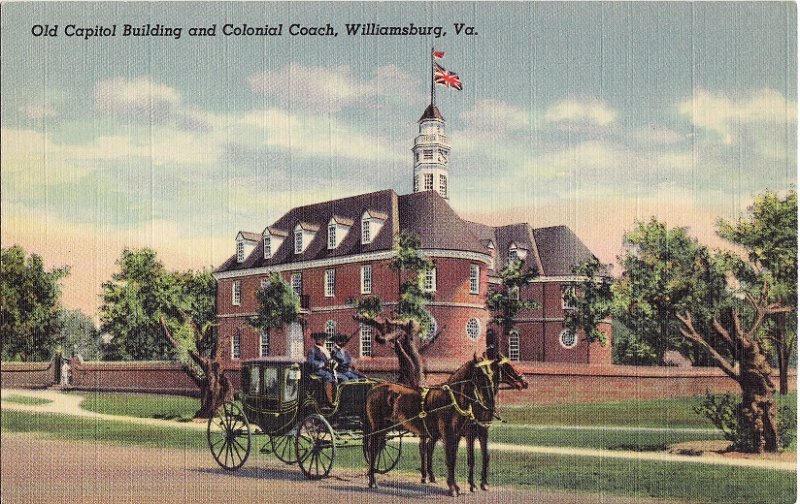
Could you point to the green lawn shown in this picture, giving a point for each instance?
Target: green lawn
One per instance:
(691, 482)
(635, 440)
(667, 413)
(32, 401)
(167, 407)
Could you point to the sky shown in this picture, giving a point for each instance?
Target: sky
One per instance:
(592, 115)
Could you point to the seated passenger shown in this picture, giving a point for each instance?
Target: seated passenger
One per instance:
(319, 359)
(344, 369)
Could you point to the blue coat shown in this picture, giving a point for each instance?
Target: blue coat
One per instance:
(345, 369)
(318, 364)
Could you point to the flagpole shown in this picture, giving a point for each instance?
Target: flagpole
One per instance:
(433, 81)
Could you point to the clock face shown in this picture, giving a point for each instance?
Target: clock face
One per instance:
(442, 157)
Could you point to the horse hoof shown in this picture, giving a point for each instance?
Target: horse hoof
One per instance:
(432, 479)
(472, 488)
(484, 487)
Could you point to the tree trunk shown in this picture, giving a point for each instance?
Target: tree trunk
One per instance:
(758, 398)
(783, 353)
(215, 389)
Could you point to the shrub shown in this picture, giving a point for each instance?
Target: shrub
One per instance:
(726, 413)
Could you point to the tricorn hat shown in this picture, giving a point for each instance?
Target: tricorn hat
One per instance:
(319, 336)
(340, 339)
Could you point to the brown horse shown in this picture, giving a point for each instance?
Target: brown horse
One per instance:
(484, 411)
(441, 412)
(504, 373)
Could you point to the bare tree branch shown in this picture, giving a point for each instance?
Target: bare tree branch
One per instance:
(689, 332)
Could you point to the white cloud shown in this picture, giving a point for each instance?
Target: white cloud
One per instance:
(584, 112)
(324, 89)
(725, 116)
(39, 111)
(495, 116)
(138, 96)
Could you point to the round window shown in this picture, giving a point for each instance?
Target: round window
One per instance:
(568, 338)
(473, 328)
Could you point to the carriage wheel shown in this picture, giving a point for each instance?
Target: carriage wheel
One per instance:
(389, 456)
(315, 447)
(284, 448)
(229, 436)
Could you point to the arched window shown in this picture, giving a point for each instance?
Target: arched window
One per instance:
(330, 330)
(513, 345)
(263, 344)
(236, 346)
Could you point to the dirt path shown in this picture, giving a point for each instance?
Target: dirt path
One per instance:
(46, 471)
(70, 404)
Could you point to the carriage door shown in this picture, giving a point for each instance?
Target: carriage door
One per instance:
(295, 340)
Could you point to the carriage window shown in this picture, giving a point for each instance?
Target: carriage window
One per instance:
(271, 382)
(252, 388)
(292, 384)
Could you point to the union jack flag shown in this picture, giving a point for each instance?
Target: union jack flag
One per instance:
(446, 78)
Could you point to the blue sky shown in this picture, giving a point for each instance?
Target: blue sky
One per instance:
(586, 114)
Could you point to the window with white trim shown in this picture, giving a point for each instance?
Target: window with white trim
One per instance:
(366, 279)
(429, 181)
(443, 185)
(265, 282)
(513, 293)
(513, 345)
(568, 339)
(513, 255)
(330, 283)
(240, 251)
(366, 341)
(298, 240)
(473, 329)
(429, 283)
(432, 329)
(236, 292)
(236, 346)
(330, 330)
(332, 236)
(267, 247)
(263, 344)
(568, 297)
(366, 237)
(474, 279)
(297, 283)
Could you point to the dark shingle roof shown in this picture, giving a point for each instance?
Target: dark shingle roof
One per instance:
(431, 113)
(553, 251)
(428, 215)
(560, 249)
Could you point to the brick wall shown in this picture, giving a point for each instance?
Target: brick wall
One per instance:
(28, 374)
(550, 383)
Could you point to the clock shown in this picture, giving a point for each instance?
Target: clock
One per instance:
(442, 157)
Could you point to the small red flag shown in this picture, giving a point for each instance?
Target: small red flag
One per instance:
(438, 54)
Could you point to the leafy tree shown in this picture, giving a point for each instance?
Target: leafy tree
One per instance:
(79, 335)
(769, 235)
(592, 300)
(659, 280)
(134, 301)
(409, 323)
(29, 305)
(670, 275)
(278, 305)
(628, 349)
(505, 302)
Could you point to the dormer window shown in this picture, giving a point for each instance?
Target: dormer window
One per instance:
(332, 236)
(239, 251)
(338, 228)
(298, 240)
(516, 253)
(245, 243)
(366, 236)
(267, 247)
(371, 224)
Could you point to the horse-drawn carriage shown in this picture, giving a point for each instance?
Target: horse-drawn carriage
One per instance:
(283, 402)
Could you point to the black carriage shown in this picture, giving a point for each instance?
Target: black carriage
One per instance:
(280, 400)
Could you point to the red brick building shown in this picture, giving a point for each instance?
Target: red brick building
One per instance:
(335, 251)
